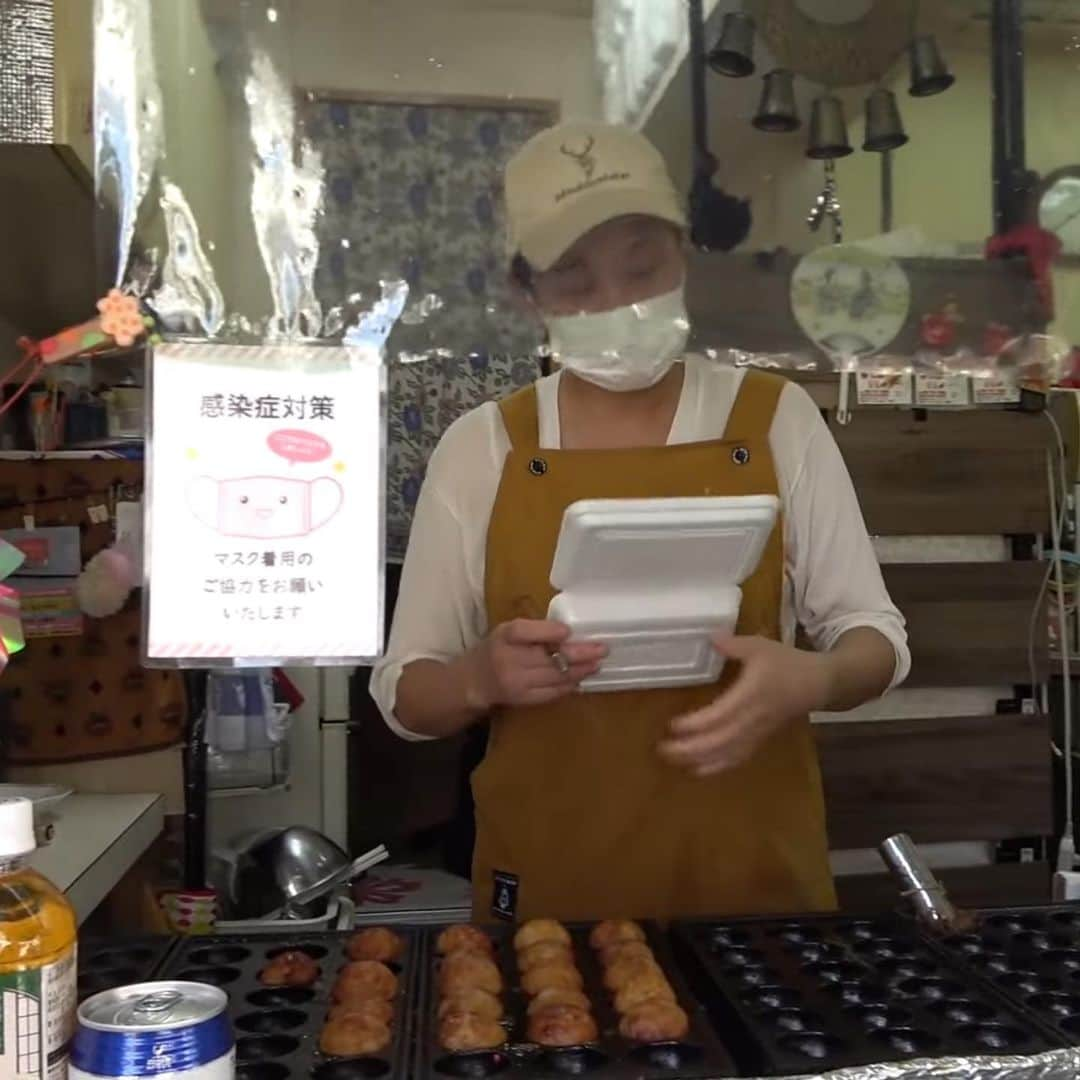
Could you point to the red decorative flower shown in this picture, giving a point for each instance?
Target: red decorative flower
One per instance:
(938, 330)
(377, 890)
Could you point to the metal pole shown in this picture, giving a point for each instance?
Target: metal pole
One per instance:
(696, 14)
(887, 191)
(1007, 103)
(195, 783)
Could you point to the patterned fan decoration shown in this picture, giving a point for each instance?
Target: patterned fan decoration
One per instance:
(835, 53)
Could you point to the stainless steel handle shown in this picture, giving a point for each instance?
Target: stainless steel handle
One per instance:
(918, 884)
(346, 913)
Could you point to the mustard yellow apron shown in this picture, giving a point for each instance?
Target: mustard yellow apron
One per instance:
(577, 817)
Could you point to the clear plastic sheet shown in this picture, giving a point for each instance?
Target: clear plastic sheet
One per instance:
(1033, 360)
(282, 172)
(1058, 1065)
(314, 172)
(260, 199)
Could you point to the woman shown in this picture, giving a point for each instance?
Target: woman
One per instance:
(692, 801)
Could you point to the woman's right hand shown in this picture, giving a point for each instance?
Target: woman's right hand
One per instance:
(518, 664)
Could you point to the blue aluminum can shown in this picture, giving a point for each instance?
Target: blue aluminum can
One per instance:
(164, 1030)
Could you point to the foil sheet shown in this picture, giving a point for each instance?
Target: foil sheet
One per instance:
(26, 74)
(1057, 1065)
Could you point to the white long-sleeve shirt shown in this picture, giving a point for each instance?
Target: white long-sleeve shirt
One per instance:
(832, 581)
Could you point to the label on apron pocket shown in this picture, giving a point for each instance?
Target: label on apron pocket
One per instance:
(504, 895)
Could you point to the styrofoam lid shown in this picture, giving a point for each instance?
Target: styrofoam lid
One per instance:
(623, 543)
(16, 827)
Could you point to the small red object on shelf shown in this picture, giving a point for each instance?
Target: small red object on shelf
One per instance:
(1041, 248)
(937, 330)
(287, 690)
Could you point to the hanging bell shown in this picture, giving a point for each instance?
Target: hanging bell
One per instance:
(733, 53)
(884, 128)
(929, 73)
(828, 129)
(776, 111)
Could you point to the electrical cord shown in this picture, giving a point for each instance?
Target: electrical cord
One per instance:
(1037, 608)
(1066, 858)
(1058, 494)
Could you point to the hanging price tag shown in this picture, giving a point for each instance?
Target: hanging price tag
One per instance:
(942, 391)
(994, 390)
(876, 388)
(98, 513)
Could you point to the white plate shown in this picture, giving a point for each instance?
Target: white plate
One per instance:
(41, 795)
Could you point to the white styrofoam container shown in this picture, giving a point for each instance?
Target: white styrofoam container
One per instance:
(655, 580)
(660, 640)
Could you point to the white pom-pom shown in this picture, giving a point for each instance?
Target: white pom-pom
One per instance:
(105, 584)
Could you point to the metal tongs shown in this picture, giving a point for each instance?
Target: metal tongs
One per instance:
(344, 876)
(927, 895)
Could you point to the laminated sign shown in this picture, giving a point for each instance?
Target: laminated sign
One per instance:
(264, 515)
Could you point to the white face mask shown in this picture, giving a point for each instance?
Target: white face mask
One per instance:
(627, 348)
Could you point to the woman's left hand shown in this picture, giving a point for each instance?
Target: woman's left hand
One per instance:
(776, 684)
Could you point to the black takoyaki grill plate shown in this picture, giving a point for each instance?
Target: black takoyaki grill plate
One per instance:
(1032, 956)
(277, 1028)
(701, 1054)
(105, 963)
(812, 995)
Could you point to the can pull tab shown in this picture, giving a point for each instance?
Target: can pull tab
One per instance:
(156, 1006)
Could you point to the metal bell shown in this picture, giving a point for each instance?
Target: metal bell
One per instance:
(929, 72)
(884, 128)
(733, 53)
(828, 129)
(776, 110)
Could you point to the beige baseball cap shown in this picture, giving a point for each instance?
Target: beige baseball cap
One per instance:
(572, 177)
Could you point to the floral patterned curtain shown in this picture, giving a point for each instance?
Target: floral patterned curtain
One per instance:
(413, 194)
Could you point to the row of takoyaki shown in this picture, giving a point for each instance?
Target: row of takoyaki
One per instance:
(646, 1003)
(361, 1019)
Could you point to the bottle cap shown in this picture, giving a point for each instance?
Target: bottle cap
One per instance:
(16, 827)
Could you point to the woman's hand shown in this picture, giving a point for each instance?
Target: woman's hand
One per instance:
(527, 662)
(776, 685)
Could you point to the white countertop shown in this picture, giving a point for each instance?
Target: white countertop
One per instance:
(96, 841)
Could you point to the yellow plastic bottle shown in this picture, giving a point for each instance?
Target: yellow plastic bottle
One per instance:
(37, 957)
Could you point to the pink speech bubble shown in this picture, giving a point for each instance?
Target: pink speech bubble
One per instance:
(296, 446)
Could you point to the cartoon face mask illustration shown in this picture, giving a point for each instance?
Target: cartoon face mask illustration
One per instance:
(264, 507)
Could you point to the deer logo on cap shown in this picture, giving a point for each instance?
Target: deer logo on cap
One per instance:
(584, 157)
